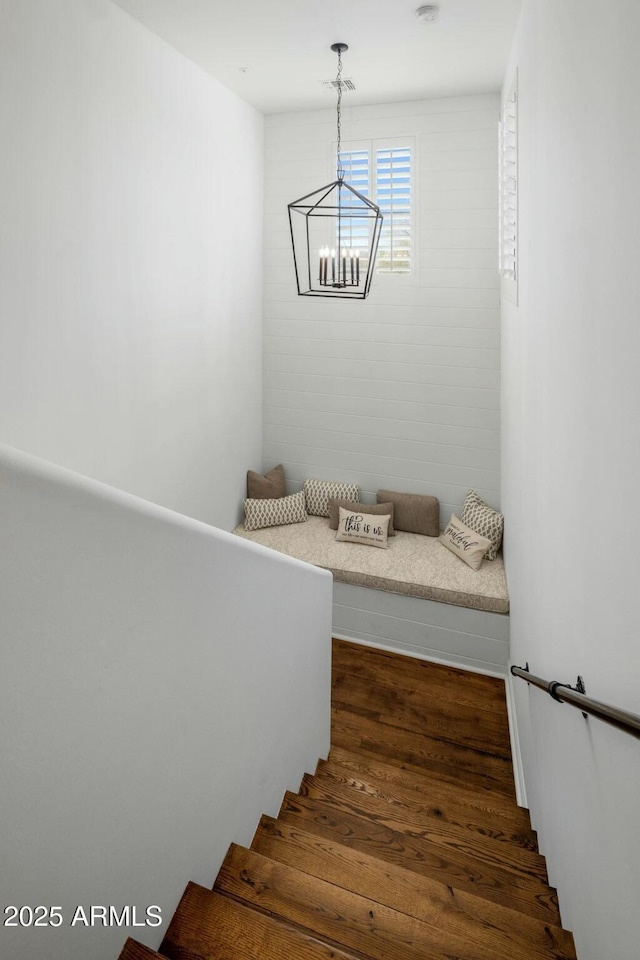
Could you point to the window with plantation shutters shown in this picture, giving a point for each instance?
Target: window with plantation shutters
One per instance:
(383, 172)
(508, 245)
(393, 196)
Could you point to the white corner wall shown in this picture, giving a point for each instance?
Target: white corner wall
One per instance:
(156, 696)
(130, 259)
(571, 460)
(402, 390)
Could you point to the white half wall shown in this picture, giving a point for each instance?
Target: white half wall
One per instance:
(130, 259)
(571, 460)
(156, 696)
(400, 391)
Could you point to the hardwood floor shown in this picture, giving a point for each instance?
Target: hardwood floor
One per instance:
(406, 843)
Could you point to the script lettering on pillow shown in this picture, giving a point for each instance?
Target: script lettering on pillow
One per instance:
(365, 528)
(464, 542)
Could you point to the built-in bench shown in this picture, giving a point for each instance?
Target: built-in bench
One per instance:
(414, 596)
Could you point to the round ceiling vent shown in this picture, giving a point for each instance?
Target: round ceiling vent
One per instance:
(428, 13)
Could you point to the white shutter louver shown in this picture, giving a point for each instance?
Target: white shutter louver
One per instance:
(393, 196)
(355, 164)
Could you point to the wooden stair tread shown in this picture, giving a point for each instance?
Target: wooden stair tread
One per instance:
(421, 712)
(133, 950)
(451, 762)
(412, 820)
(210, 926)
(417, 813)
(492, 808)
(490, 927)
(517, 891)
(341, 916)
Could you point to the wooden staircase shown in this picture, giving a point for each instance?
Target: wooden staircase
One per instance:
(406, 843)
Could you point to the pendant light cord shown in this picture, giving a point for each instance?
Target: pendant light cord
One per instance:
(340, 168)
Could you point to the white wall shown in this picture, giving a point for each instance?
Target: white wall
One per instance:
(156, 696)
(130, 258)
(401, 390)
(571, 462)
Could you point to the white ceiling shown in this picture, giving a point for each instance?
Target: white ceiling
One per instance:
(273, 53)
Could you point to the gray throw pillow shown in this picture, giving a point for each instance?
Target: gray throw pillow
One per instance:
(413, 512)
(267, 487)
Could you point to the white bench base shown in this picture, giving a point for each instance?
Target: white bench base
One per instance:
(458, 636)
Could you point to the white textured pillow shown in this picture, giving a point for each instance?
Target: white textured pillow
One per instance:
(484, 520)
(274, 512)
(370, 529)
(319, 492)
(464, 542)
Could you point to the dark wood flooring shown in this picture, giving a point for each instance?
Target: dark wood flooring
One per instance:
(406, 843)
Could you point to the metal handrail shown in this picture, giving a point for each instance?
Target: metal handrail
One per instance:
(564, 693)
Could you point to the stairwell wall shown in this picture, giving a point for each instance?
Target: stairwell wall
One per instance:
(156, 697)
(130, 259)
(570, 406)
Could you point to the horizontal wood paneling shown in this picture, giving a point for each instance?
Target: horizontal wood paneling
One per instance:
(354, 442)
(379, 409)
(472, 638)
(348, 386)
(388, 351)
(400, 390)
(363, 330)
(372, 311)
(404, 373)
(388, 291)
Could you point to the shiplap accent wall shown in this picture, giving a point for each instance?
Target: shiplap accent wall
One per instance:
(401, 390)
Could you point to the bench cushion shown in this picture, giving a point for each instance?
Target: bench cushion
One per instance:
(413, 565)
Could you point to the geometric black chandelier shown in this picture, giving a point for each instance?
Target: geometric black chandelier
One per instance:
(335, 231)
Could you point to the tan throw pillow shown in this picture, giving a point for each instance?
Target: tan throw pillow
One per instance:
(363, 528)
(413, 512)
(267, 487)
(464, 542)
(376, 509)
(318, 493)
(273, 513)
(484, 520)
